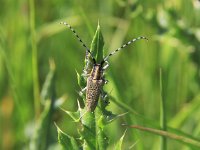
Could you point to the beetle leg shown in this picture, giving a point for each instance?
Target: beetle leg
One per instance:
(82, 90)
(104, 97)
(106, 66)
(85, 74)
(105, 81)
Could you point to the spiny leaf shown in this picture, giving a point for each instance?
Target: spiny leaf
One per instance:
(97, 45)
(102, 139)
(118, 146)
(88, 132)
(107, 118)
(89, 137)
(81, 80)
(67, 142)
(74, 115)
(88, 119)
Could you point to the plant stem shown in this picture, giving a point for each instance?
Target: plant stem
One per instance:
(162, 116)
(34, 59)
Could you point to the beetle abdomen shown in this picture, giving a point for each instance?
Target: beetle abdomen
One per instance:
(92, 93)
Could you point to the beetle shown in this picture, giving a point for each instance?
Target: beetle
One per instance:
(95, 80)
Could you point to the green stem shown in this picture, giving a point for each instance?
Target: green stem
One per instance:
(34, 59)
(189, 141)
(162, 116)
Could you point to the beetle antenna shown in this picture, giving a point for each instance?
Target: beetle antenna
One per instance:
(83, 44)
(123, 46)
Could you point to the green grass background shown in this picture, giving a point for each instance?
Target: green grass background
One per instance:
(31, 34)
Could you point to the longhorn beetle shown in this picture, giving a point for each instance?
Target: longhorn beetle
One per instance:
(95, 80)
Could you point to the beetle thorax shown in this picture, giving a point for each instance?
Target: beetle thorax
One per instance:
(96, 72)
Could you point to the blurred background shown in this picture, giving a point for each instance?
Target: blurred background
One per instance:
(30, 34)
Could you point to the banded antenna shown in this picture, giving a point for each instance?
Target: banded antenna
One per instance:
(83, 44)
(120, 48)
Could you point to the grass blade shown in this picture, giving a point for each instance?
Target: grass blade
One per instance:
(186, 140)
(163, 124)
(39, 140)
(34, 59)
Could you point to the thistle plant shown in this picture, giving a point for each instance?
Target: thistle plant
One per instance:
(92, 134)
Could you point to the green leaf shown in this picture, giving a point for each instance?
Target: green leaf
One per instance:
(102, 139)
(49, 29)
(48, 89)
(97, 45)
(118, 146)
(186, 112)
(104, 120)
(88, 132)
(88, 119)
(40, 136)
(74, 115)
(81, 80)
(89, 137)
(59, 101)
(67, 142)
